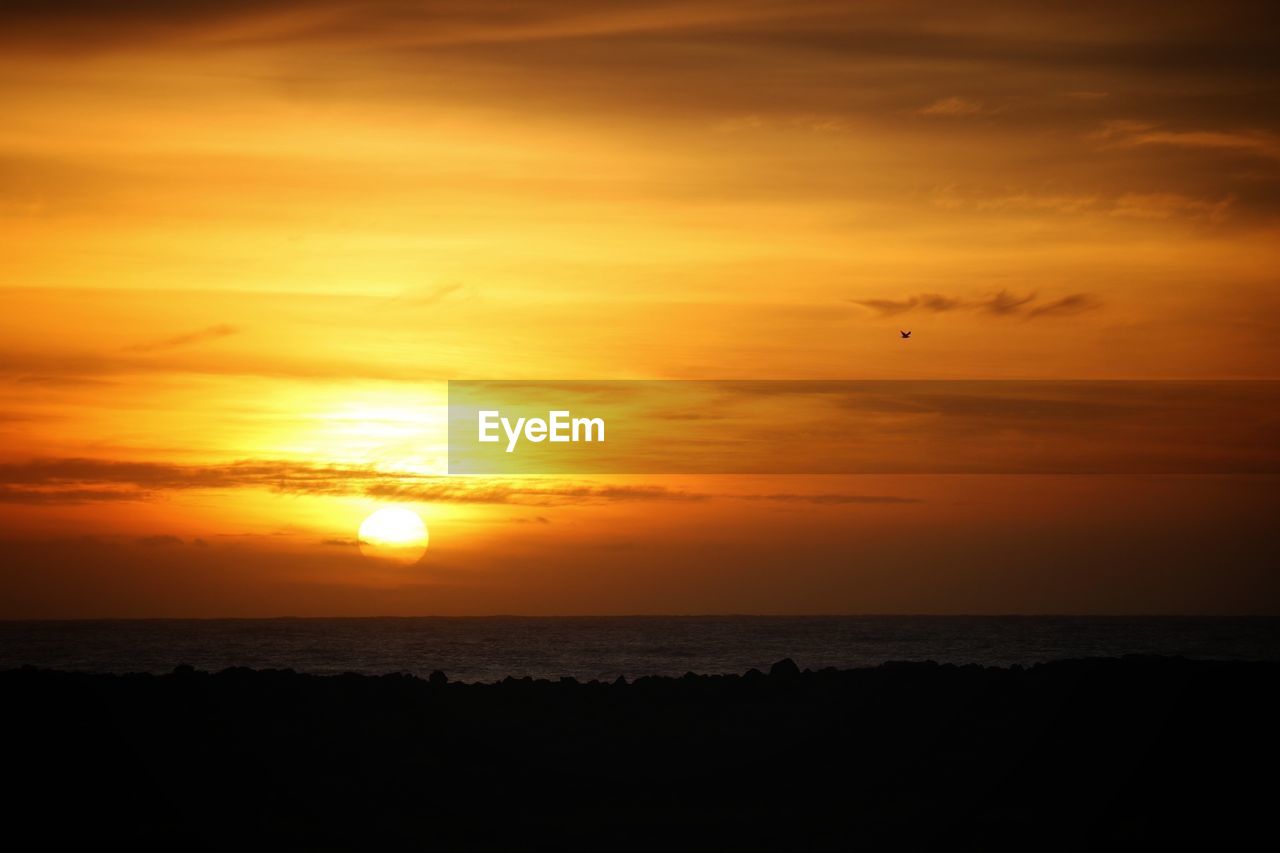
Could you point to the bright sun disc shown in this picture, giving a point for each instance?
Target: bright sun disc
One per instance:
(394, 534)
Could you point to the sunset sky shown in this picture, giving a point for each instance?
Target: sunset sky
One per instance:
(245, 245)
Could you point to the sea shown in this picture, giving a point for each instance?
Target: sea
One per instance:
(483, 649)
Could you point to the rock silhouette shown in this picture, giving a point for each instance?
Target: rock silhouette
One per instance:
(785, 669)
(1070, 754)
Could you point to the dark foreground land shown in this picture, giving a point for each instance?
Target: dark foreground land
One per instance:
(1072, 754)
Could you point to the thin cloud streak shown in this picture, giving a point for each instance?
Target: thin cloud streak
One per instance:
(954, 107)
(54, 481)
(1128, 133)
(1001, 304)
(1075, 303)
(211, 333)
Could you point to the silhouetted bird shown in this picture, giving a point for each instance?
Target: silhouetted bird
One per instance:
(904, 334)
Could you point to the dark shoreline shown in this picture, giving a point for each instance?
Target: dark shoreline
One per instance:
(488, 649)
(1064, 754)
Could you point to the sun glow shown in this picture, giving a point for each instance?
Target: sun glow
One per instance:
(394, 534)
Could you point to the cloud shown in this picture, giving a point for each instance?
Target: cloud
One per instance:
(782, 67)
(953, 107)
(936, 302)
(1155, 205)
(54, 368)
(1128, 133)
(1074, 303)
(1169, 205)
(888, 307)
(49, 481)
(66, 496)
(928, 301)
(66, 481)
(435, 295)
(162, 540)
(86, 25)
(1004, 201)
(1005, 303)
(155, 475)
(1001, 304)
(468, 492)
(813, 122)
(832, 499)
(210, 333)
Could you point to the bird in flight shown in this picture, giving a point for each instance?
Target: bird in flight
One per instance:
(905, 335)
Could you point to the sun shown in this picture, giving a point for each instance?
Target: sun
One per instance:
(393, 534)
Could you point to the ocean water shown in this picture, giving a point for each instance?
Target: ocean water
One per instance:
(491, 648)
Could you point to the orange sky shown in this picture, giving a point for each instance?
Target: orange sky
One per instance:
(245, 245)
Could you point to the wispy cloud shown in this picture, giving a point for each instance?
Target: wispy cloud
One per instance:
(1004, 303)
(158, 541)
(955, 107)
(926, 301)
(54, 367)
(82, 480)
(1000, 304)
(79, 25)
(1169, 205)
(1128, 133)
(1129, 204)
(833, 499)
(210, 333)
(33, 496)
(435, 295)
(58, 481)
(888, 307)
(1075, 303)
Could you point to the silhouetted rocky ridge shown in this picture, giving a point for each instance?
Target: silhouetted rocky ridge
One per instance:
(1071, 754)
